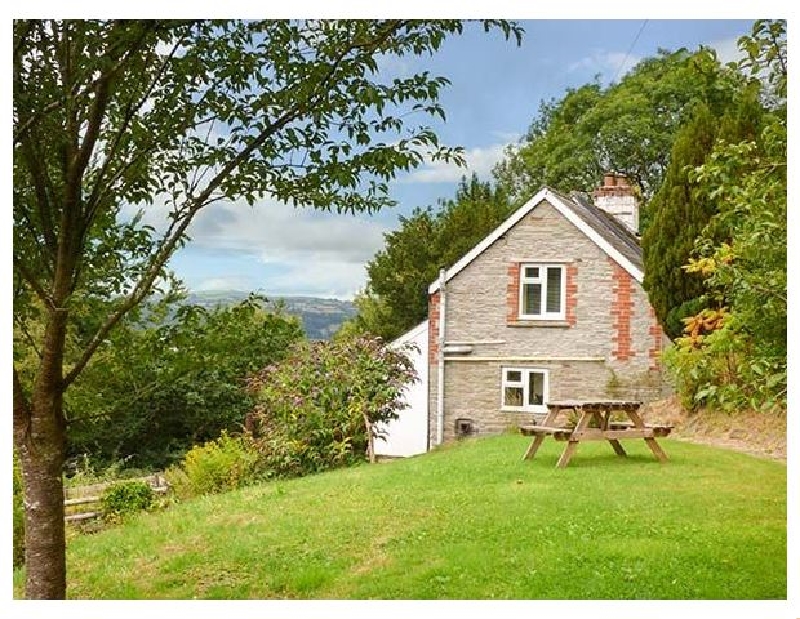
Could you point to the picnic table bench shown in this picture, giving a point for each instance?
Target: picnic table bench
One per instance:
(601, 411)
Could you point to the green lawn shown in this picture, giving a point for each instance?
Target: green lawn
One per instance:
(468, 521)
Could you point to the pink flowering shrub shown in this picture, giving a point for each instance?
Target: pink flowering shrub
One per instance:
(313, 406)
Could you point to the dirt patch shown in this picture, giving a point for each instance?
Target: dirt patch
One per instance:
(755, 433)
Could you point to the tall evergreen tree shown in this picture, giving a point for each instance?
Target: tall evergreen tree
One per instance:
(679, 212)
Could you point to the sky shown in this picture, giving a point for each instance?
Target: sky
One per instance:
(495, 91)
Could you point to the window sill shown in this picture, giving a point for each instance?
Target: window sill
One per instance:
(523, 411)
(532, 322)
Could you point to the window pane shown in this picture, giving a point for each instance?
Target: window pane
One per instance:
(554, 289)
(514, 376)
(536, 388)
(512, 396)
(531, 271)
(532, 299)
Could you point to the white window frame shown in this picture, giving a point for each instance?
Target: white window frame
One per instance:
(542, 281)
(525, 385)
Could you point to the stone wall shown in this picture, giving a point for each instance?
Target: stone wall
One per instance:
(607, 346)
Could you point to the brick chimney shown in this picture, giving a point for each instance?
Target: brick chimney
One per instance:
(616, 198)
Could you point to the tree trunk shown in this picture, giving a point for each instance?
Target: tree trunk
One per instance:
(42, 457)
(40, 438)
(45, 544)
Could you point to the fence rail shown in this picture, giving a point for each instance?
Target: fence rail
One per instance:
(91, 494)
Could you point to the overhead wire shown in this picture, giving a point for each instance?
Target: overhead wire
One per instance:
(630, 49)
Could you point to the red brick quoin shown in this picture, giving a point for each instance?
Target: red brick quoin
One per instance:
(433, 327)
(621, 311)
(657, 333)
(512, 292)
(572, 294)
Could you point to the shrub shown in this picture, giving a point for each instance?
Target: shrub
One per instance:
(122, 499)
(318, 408)
(223, 464)
(19, 514)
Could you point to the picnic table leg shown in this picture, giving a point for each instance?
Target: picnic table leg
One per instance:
(656, 449)
(533, 447)
(569, 450)
(566, 456)
(651, 442)
(537, 441)
(603, 418)
(618, 449)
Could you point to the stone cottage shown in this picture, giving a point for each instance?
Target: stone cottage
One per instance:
(549, 306)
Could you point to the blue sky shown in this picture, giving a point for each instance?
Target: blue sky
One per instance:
(495, 92)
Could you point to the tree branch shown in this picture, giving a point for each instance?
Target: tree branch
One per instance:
(27, 335)
(75, 92)
(91, 203)
(193, 205)
(40, 189)
(33, 283)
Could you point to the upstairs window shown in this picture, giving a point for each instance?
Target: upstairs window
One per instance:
(542, 292)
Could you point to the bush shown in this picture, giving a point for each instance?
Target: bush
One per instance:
(125, 498)
(318, 407)
(19, 514)
(223, 464)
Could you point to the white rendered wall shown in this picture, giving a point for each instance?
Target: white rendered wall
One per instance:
(408, 435)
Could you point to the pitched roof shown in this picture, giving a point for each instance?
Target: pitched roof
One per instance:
(603, 229)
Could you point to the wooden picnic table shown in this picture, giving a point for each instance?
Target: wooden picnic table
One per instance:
(607, 429)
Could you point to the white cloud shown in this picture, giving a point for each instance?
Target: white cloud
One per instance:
(609, 64)
(727, 50)
(317, 276)
(480, 160)
(274, 231)
(304, 252)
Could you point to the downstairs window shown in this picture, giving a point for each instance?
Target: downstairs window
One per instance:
(524, 390)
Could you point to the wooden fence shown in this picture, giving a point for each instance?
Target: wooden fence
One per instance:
(82, 502)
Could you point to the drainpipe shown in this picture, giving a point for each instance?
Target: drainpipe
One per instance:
(440, 385)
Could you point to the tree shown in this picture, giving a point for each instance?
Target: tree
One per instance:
(736, 356)
(154, 391)
(183, 113)
(628, 127)
(679, 211)
(399, 275)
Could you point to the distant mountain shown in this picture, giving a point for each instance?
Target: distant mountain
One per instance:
(320, 318)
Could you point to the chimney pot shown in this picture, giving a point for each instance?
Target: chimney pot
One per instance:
(616, 198)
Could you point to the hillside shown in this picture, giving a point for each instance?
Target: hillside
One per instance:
(320, 317)
(471, 520)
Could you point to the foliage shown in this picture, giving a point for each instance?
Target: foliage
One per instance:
(710, 524)
(113, 115)
(216, 466)
(680, 210)
(399, 275)
(318, 407)
(628, 127)
(122, 499)
(18, 514)
(746, 272)
(153, 392)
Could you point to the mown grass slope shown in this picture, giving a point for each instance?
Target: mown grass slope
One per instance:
(467, 521)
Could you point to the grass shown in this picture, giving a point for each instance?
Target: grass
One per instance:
(468, 521)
